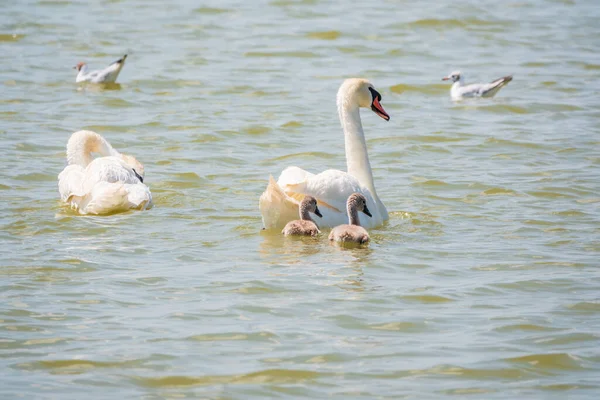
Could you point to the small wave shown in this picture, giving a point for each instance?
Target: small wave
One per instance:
(73, 367)
(499, 192)
(427, 299)
(400, 326)
(326, 35)
(270, 376)
(525, 327)
(212, 10)
(233, 336)
(435, 23)
(562, 361)
(293, 54)
(425, 89)
(12, 37)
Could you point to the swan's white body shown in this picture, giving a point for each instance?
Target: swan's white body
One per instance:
(459, 90)
(106, 75)
(279, 203)
(103, 185)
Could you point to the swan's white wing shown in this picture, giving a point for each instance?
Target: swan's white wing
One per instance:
(70, 181)
(293, 175)
(104, 198)
(332, 188)
(279, 203)
(108, 169)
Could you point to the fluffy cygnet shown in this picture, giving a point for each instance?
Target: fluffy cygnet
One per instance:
(353, 232)
(305, 225)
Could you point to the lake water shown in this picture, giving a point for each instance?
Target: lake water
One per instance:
(483, 284)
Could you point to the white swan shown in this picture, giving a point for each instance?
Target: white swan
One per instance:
(107, 184)
(279, 203)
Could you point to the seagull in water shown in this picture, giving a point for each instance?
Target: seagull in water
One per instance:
(460, 90)
(106, 75)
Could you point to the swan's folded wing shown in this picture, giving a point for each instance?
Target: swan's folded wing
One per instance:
(293, 176)
(70, 182)
(105, 198)
(108, 169)
(331, 188)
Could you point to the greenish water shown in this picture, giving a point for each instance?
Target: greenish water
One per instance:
(483, 284)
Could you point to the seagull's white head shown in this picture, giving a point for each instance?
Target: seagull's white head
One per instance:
(454, 77)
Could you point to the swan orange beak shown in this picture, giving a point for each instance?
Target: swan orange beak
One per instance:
(445, 78)
(378, 109)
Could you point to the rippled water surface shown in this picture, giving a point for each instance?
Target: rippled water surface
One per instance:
(484, 283)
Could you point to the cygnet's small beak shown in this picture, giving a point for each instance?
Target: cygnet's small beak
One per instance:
(366, 211)
(378, 109)
(318, 213)
(446, 78)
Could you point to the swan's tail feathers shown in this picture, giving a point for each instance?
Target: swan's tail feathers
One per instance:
(276, 207)
(138, 196)
(69, 181)
(496, 85)
(105, 198)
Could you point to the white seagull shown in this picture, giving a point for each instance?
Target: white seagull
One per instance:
(459, 90)
(106, 75)
(103, 185)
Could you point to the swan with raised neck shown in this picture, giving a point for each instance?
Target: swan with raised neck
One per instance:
(305, 226)
(279, 203)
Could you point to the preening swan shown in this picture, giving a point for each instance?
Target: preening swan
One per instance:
(352, 232)
(279, 203)
(106, 75)
(459, 90)
(107, 184)
(304, 226)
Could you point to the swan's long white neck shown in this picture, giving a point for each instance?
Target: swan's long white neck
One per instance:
(357, 158)
(82, 144)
